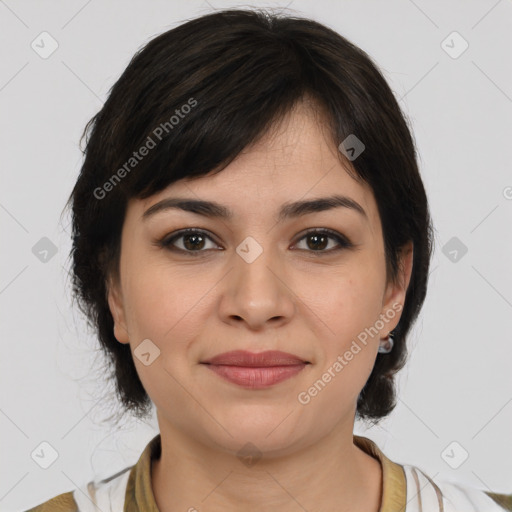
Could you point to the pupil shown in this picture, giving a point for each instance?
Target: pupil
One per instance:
(195, 241)
(193, 245)
(316, 238)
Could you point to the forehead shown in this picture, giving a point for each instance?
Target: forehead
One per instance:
(296, 160)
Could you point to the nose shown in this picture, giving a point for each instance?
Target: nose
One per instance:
(257, 292)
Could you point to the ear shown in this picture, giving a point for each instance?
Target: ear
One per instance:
(115, 303)
(394, 297)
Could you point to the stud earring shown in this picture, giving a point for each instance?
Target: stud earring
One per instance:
(386, 345)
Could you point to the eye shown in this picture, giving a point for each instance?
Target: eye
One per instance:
(196, 241)
(191, 240)
(318, 239)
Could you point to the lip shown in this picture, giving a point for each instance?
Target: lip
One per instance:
(256, 370)
(251, 359)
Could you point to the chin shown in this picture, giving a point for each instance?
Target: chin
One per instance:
(261, 432)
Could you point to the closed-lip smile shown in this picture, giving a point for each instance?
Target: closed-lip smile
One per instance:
(255, 370)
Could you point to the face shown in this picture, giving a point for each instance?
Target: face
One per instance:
(309, 285)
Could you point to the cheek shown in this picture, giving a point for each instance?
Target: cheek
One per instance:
(169, 308)
(164, 304)
(348, 301)
(346, 320)
(347, 348)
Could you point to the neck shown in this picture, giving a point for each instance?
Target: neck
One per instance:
(332, 474)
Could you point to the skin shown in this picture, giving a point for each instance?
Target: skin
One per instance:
(293, 298)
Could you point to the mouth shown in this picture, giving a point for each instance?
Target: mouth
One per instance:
(255, 371)
(256, 360)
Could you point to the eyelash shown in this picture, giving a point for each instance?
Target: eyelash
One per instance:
(167, 241)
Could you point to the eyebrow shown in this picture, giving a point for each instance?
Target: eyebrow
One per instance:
(287, 211)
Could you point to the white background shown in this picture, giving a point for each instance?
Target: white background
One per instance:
(457, 385)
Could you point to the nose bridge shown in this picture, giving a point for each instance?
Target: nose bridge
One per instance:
(256, 292)
(252, 267)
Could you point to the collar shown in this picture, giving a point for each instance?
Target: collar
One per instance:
(139, 492)
(394, 486)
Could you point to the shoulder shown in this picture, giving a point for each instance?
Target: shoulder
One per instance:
(408, 489)
(129, 489)
(107, 494)
(64, 502)
(425, 494)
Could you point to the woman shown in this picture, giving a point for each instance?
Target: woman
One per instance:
(252, 242)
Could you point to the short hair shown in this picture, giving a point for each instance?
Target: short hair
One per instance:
(204, 91)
